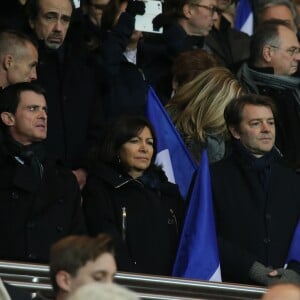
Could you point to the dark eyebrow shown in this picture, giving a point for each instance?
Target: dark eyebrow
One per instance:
(51, 14)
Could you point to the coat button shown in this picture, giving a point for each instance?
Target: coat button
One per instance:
(268, 217)
(14, 195)
(61, 200)
(59, 228)
(31, 256)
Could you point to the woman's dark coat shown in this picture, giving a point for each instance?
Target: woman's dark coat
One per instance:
(145, 222)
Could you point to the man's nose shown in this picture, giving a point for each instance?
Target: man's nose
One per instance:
(215, 16)
(297, 56)
(266, 127)
(43, 114)
(33, 74)
(58, 26)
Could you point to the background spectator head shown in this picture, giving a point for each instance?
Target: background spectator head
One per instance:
(95, 9)
(275, 44)
(286, 291)
(277, 9)
(78, 260)
(196, 17)
(19, 57)
(103, 291)
(190, 64)
(50, 20)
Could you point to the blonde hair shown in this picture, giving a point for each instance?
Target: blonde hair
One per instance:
(198, 106)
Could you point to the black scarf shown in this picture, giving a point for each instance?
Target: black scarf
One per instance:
(28, 159)
(261, 165)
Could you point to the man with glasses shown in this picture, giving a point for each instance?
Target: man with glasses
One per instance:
(185, 24)
(274, 57)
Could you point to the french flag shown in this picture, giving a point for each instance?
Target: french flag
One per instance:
(244, 17)
(197, 255)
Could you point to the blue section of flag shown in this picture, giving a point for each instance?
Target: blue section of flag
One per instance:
(168, 139)
(294, 252)
(243, 12)
(197, 255)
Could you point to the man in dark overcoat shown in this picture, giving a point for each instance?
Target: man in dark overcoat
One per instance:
(74, 105)
(39, 198)
(256, 198)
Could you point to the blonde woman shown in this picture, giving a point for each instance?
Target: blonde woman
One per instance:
(197, 111)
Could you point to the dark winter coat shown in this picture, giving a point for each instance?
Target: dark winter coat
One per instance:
(253, 224)
(158, 52)
(123, 86)
(30, 221)
(74, 104)
(144, 221)
(231, 46)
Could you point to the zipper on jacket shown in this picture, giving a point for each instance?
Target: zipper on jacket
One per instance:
(124, 223)
(175, 220)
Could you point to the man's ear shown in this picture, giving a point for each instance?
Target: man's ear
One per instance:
(267, 53)
(8, 118)
(186, 10)
(234, 132)
(63, 281)
(7, 61)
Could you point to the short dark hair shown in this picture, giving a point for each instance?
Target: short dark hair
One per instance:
(73, 252)
(266, 33)
(120, 131)
(32, 8)
(233, 113)
(189, 64)
(10, 96)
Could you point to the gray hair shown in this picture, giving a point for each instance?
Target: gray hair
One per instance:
(264, 5)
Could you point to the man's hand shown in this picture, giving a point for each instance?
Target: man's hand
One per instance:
(285, 275)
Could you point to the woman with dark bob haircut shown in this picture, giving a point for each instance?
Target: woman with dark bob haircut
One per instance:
(130, 198)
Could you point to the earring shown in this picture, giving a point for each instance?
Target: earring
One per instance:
(119, 159)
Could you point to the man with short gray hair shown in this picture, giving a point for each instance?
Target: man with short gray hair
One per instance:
(18, 57)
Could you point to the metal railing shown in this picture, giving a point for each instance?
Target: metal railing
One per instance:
(35, 278)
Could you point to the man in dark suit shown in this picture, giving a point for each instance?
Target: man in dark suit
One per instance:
(256, 198)
(74, 105)
(39, 198)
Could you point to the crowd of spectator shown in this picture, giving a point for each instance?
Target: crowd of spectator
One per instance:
(77, 152)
